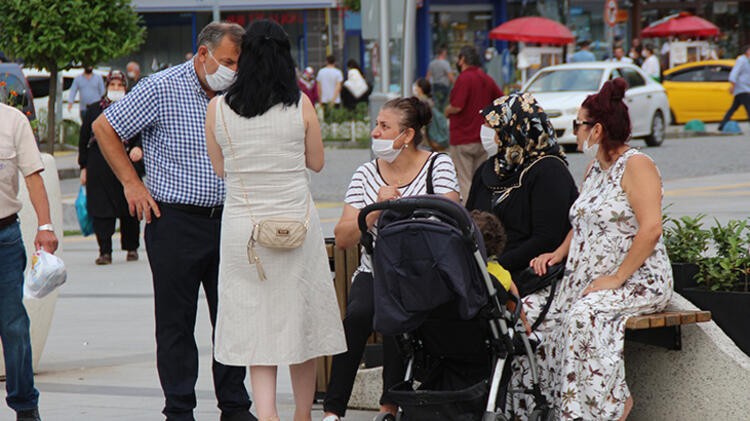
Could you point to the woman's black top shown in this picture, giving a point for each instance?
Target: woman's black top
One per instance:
(535, 215)
(104, 193)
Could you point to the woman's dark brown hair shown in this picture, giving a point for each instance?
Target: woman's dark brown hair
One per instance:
(414, 113)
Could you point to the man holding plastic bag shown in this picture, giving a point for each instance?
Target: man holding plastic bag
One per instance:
(18, 151)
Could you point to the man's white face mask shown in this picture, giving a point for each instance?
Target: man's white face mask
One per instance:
(222, 78)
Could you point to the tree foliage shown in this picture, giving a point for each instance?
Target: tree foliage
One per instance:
(59, 34)
(353, 5)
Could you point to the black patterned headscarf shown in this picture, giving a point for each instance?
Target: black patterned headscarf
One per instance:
(113, 74)
(524, 131)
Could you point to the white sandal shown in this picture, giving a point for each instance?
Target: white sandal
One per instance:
(331, 418)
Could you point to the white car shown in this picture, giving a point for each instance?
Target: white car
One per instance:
(561, 90)
(39, 81)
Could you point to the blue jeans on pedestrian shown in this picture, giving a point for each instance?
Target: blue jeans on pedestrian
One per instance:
(14, 323)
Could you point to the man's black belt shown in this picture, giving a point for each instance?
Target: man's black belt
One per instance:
(8, 220)
(209, 212)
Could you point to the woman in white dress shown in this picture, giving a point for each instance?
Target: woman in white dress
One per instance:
(276, 306)
(616, 266)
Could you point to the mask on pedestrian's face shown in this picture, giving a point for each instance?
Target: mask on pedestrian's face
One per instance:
(115, 96)
(88, 69)
(131, 75)
(222, 78)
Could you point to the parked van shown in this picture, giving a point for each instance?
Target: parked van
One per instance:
(15, 90)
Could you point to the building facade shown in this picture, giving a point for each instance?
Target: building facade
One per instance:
(316, 28)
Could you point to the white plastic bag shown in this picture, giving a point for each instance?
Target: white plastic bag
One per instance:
(46, 273)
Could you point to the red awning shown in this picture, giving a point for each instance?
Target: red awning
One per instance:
(533, 29)
(682, 24)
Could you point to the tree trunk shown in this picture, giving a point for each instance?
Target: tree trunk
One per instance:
(51, 126)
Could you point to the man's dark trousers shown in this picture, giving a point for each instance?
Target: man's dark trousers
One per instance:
(183, 251)
(739, 99)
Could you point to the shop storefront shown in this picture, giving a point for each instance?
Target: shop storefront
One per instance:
(732, 18)
(315, 28)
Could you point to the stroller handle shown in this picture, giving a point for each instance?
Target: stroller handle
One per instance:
(408, 204)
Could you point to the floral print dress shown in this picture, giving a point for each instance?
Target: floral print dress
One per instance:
(581, 359)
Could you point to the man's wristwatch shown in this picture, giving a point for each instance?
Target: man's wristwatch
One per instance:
(46, 227)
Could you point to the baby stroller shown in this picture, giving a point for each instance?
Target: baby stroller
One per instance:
(432, 290)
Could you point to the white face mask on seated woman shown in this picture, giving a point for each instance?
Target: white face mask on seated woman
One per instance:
(590, 150)
(488, 140)
(383, 148)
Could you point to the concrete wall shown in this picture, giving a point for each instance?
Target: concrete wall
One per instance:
(40, 311)
(708, 379)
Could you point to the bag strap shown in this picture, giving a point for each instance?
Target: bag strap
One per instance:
(547, 305)
(430, 187)
(244, 190)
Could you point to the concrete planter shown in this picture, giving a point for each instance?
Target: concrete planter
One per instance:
(684, 275)
(729, 309)
(40, 311)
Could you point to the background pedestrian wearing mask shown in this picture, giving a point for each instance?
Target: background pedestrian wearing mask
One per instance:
(91, 88)
(105, 199)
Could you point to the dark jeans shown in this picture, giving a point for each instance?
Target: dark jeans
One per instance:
(358, 327)
(183, 251)
(739, 99)
(130, 230)
(14, 322)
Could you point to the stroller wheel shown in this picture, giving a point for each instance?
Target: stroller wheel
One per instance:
(384, 417)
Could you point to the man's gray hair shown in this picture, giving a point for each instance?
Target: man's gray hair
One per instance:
(214, 32)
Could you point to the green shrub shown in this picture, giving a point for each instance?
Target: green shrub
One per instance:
(685, 238)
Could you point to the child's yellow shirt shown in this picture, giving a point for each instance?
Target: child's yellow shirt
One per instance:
(499, 272)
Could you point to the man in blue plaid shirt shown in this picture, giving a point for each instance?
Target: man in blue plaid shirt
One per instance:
(182, 202)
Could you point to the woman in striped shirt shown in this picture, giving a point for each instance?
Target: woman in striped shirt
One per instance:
(400, 169)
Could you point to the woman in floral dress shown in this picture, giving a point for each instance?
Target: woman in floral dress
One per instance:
(616, 267)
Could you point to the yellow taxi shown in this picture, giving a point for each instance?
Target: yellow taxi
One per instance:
(700, 91)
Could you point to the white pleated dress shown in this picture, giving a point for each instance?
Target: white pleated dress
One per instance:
(293, 315)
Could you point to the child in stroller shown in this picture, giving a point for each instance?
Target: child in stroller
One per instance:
(432, 290)
(493, 234)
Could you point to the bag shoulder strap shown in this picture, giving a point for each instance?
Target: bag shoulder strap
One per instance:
(430, 186)
(244, 190)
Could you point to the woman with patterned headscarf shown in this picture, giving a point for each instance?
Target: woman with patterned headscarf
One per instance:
(527, 184)
(104, 195)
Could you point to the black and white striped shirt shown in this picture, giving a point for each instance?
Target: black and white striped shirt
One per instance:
(367, 181)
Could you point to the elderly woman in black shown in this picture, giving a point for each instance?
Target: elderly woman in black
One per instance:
(105, 198)
(527, 184)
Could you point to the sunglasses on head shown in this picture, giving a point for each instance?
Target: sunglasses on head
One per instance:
(578, 123)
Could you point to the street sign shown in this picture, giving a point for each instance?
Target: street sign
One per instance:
(610, 12)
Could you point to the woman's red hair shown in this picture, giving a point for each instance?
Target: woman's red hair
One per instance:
(608, 109)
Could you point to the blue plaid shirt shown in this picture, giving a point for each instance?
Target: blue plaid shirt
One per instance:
(169, 110)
